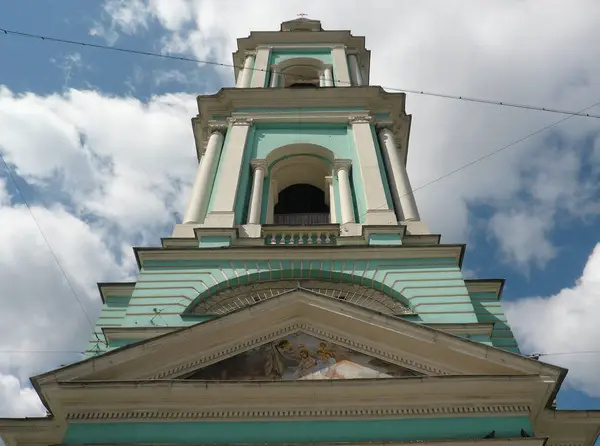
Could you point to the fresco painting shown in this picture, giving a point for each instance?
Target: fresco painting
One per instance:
(300, 357)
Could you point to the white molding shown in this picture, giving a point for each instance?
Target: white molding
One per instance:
(242, 413)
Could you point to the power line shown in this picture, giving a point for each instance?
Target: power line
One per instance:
(337, 81)
(54, 256)
(41, 351)
(537, 355)
(492, 153)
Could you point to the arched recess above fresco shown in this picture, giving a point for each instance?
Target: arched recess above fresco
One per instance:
(241, 296)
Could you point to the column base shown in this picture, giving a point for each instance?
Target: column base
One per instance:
(250, 231)
(416, 227)
(216, 219)
(350, 230)
(379, 217)
(185, 230)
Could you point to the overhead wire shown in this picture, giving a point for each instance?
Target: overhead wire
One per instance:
(47, 242)
(337, 81)
(570, 114)
(490, 154)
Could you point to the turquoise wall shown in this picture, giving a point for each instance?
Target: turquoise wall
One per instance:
(433, 288)
(319, 431)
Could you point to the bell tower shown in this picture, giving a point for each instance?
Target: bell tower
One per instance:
(302, 301)
(302, 141)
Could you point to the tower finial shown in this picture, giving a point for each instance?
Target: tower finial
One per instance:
(302, 15)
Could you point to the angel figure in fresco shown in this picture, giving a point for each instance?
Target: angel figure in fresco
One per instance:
(326, 356)
(307, 363)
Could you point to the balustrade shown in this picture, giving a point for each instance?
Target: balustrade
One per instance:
(300, 237)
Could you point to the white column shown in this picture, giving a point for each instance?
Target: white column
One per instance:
(378, 210)
(261, 68)
(259, 167)
(402, 192)
(245, 73)
(222, 214)
(340, 62)
(331, 194)
(342, 170)
(274, 77)
(355, 70)
(328, 77)
(204, 174)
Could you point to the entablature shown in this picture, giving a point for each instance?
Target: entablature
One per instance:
(256, 105)
(422, 397)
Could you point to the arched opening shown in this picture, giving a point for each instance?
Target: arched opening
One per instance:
(301, 204)
(300, 190)
(303, 85)
(298, 72)
(305, 75)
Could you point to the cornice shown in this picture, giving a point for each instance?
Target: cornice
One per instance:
(307, 252)
(485, 286)
(115, 289)
(375, 101)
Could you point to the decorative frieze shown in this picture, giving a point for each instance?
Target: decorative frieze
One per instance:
(298, 413)
(360, 119)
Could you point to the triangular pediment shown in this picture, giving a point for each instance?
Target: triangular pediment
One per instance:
(386, 338)
(300, 356)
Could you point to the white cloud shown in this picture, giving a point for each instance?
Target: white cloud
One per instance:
(530, 52)
(124, 165)
(16, 401)
(119, 158)
(4, 196)
(566, 322)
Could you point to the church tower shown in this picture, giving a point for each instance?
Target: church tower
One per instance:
(302, 299)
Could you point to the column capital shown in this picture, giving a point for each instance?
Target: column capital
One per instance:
(339, 47)
(239, 121)
(342, 164)
(258, 164)
(385, 131)
(328, 180)
(363, 119)
(217, 128)
(251, 53)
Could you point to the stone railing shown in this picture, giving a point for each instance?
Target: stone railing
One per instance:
(299, 237)
(302, 219)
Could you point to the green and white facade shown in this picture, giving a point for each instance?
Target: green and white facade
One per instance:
(249, 267)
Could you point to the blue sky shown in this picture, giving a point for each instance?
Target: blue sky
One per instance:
(529, 214)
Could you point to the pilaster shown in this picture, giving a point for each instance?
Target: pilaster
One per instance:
(341, 73)
(222, 214)
(261, 67)
(377, 208)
